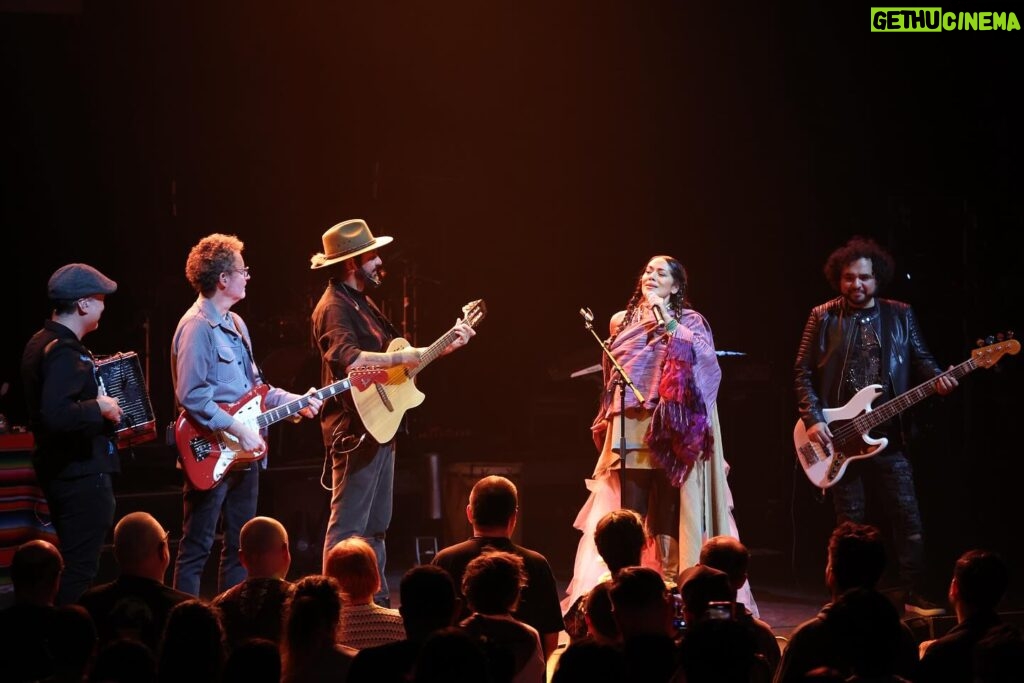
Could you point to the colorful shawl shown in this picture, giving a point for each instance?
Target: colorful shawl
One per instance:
(678, 388)
(681, 432)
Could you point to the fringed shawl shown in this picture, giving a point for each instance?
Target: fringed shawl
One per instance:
(681, 431)
(679, 386)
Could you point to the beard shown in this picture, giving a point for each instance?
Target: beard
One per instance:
(370, 280)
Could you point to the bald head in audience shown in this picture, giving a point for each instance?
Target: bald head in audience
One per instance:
(727, 554)
(35, 572)
(140, 546)
(263, 548)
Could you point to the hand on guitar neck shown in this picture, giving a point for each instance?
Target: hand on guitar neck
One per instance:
(946, 383)
(463, 333)
(410, 357)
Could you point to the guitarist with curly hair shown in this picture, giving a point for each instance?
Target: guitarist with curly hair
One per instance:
(212, 365)
(853, 342)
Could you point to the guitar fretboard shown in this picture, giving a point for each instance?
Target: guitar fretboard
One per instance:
(288, 409)
(434, 351)
(894, 407)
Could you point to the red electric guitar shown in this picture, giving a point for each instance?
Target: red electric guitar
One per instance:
(206, 456)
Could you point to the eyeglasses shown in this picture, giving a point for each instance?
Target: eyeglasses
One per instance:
(244, 272)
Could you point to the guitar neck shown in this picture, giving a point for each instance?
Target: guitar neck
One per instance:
(288, 409)
(434, 351)
(895, 406)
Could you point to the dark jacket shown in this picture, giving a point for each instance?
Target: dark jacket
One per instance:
(826, 344)
(72, 437)
(951, 657)
(813, 644)
(131, 607)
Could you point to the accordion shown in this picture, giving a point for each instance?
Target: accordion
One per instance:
(120, 376)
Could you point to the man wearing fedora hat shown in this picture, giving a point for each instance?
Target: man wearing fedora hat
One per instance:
(73, 423)
(212, 364)
(350, 332)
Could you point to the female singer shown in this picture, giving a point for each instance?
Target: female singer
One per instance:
(672, 472)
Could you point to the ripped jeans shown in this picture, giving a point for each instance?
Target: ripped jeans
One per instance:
(892, 480)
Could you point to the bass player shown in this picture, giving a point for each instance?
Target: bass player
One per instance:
(849, 343)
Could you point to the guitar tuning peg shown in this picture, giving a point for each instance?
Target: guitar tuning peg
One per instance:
(979, 342)
(1009, 334)
(1000, 336)
(990, 339)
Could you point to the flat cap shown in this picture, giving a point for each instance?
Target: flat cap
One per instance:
(77, 280)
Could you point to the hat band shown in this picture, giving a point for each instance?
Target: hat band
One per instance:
(338, 254)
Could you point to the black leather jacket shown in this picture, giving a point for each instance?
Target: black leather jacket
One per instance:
(825, 347)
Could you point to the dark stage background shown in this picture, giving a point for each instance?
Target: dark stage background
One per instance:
(535, 154)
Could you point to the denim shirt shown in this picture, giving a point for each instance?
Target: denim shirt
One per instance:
(211, 365)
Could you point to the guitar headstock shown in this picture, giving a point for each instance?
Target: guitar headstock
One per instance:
(474, 312)
(362, 378)
(993, 348)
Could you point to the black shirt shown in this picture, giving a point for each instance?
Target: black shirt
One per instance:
(345, 323)
(538, 604)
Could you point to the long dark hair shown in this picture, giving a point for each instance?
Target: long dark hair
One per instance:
(677, 302)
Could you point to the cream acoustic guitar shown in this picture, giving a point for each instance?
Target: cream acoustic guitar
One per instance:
(852, 423)
(382, 405)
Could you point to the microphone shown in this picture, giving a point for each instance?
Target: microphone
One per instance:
(374, 279)
(658, 315)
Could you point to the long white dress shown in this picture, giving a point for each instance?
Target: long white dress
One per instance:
(705, 511)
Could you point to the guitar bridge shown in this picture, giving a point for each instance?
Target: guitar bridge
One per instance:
(200, 448)
(384, 398)
(809, 455)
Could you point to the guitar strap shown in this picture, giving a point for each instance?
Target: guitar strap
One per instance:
(383, 320)
(235, 320)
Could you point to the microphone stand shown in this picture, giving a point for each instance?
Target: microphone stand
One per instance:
(623, 381)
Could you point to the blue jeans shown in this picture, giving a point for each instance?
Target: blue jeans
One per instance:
(361, 502)
(236, 497)
(82, 512)
(891, 474)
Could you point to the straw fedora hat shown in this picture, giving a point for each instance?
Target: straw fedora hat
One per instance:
(346, 240)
